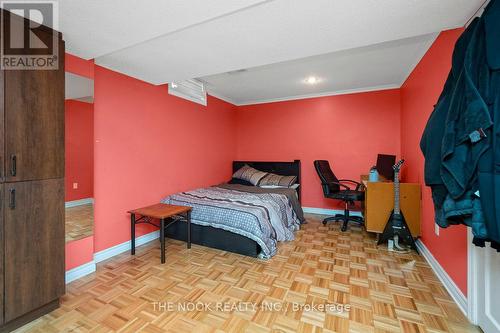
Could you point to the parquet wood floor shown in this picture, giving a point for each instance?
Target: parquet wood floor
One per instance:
(387, 292)
(79, 222)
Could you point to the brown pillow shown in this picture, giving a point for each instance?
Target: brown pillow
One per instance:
(249, 174)
(272, 179)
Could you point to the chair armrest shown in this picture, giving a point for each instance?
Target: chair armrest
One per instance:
(358, 185)
(337, 183)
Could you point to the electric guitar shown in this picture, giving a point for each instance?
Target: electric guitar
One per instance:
(396, 227)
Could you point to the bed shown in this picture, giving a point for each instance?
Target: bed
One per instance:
(230, 217)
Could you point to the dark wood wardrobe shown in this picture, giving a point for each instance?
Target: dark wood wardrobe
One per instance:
(31, 190)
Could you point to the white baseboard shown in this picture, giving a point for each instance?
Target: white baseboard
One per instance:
(80, 271)
(125, 246)
(81, 202)
(90, 267)
(445, 279)
(324, 211)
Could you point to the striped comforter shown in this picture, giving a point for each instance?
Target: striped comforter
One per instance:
(265, 218)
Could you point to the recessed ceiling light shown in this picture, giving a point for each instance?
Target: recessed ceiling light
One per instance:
(312, 80)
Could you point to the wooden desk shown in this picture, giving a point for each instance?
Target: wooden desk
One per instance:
(165, 213)
(379, 203)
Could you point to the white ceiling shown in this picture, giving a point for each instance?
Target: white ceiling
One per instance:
(376, 67)
(173, 40)
(79, 87)
(94, 28)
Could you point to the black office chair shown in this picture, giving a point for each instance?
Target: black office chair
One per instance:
(334, 189)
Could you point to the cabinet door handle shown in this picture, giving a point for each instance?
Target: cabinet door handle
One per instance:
(12, 201)
(13, 165)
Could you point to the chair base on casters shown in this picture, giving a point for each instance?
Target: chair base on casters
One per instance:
(345, 218)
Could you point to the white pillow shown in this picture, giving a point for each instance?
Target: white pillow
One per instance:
(250, 174)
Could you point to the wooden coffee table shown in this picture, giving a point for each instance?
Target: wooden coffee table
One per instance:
(167, 214)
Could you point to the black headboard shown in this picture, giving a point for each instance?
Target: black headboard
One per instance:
(279, 168)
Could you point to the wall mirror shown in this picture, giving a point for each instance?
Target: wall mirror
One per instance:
(79, 144)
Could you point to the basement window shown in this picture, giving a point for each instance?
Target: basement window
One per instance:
(192, 90)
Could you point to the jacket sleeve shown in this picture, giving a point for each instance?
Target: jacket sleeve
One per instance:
(467, 123)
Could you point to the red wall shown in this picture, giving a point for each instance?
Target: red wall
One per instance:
(79, 66)
(79, 149)
(418, 96)
(347, 130)
(150, 144)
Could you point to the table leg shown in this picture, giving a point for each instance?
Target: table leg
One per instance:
(188, 216)
(162, 240)
(132, 234)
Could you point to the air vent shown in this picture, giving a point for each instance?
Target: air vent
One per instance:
(192, 90)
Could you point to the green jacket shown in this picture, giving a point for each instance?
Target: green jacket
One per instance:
(489, 164)
(459, 138)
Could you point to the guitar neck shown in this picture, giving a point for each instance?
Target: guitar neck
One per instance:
(397, 208)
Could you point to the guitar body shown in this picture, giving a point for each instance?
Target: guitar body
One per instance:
(396, 225)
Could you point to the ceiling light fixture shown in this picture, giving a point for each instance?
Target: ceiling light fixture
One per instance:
(312, 80)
